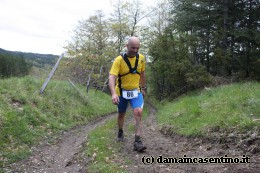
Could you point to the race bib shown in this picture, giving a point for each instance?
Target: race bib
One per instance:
(130, 94)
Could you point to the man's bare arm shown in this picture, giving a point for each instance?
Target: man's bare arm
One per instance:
(143, 82)
(112, 84)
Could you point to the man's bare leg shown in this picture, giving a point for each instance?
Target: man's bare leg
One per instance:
(138, 145)
(120, 121)
(138, 121)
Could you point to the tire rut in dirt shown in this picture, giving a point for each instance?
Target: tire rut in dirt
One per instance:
(62, 155)
(160, 146)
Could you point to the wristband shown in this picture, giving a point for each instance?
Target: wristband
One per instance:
(143, 88)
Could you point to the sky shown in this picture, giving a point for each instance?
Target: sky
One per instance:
(44, 26)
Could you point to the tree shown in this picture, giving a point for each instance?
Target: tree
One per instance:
(91, 47)
(12, 66)
(126, 21)
(223, 32)
(98, 40)
(119, 24)
(245, 34)
(172, 69)
(91, 36)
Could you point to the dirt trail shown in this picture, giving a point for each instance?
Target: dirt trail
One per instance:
(61, 156)
(177, 146)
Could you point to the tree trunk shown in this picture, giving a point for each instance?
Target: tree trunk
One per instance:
(249, 49)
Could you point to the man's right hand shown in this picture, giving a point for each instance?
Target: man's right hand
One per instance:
(115, 99)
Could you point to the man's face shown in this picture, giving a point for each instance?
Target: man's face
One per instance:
(132, 49)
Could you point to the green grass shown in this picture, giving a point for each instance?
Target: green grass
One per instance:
(102, 144)
(103, 149)
(234, 106)
(27, 117)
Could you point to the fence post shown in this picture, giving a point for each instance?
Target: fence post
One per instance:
(80, 94)
(51, 74)
(105, 84)
(89, 77)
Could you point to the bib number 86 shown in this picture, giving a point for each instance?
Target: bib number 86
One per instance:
(130, 94)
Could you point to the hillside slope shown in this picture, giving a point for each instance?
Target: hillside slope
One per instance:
(36, 59)
(231, 107)
(27, 117)
(214, 123)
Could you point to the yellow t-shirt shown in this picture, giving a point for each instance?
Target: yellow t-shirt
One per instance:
(129, 81)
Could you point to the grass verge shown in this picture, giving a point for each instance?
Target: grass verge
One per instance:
(234, 106)
(104, 150)
(27, 117)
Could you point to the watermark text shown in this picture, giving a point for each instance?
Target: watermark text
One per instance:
(195, 160)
